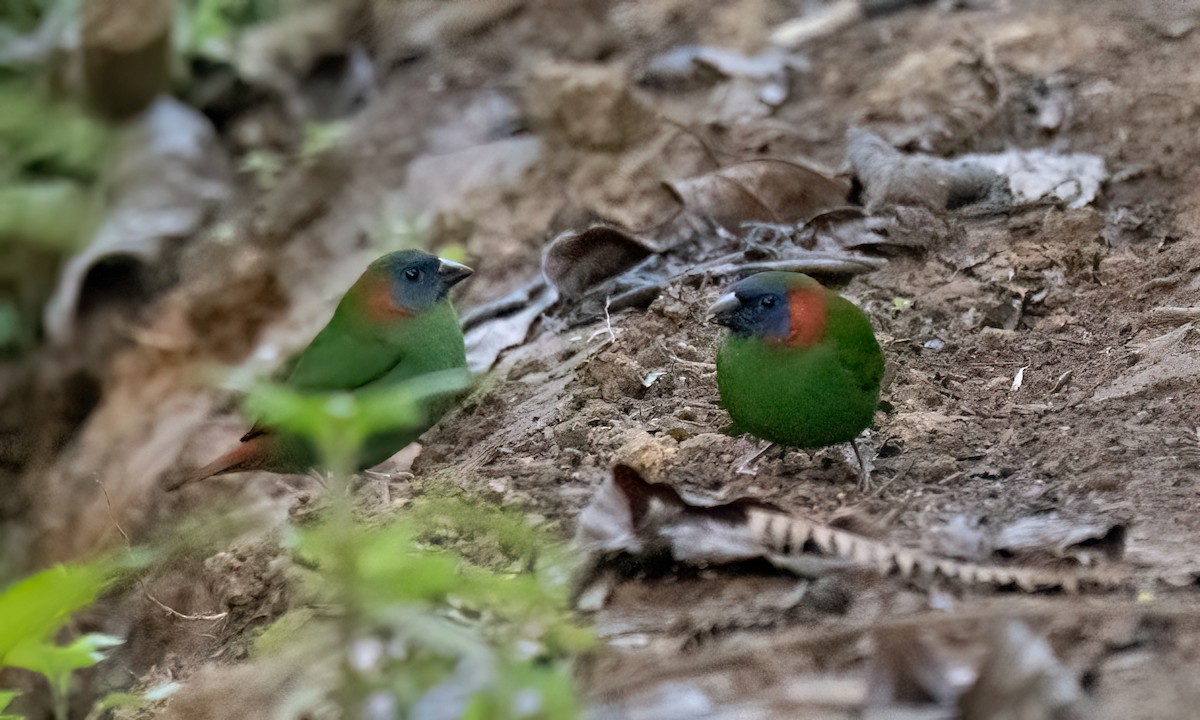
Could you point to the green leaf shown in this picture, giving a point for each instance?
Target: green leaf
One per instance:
(39, 604)
(321, 137)
(55, 138)
(49, 214)
(55, 661)
(401, 406)
(6, 697)
(351, 417)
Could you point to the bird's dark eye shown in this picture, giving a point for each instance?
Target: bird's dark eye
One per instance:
(768, 301)
(412, 274)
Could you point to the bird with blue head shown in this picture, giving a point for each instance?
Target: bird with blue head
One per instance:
(801, 366)
(395, 323)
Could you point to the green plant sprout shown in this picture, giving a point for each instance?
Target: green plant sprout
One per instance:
(35, 609)
(6, 697)
(414, 619)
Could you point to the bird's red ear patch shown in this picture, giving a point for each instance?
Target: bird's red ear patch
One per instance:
(379, 303)
(806, 313)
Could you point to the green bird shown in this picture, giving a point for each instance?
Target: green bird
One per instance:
(393, 324)
(801, 365)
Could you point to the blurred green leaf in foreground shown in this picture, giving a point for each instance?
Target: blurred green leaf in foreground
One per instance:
(35, 609)
(50, 156)
(451, 601)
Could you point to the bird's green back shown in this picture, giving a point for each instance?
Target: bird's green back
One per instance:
(352, 353)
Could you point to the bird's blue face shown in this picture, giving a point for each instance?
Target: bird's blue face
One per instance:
(754, 308)
(782, 308)
(419, 280)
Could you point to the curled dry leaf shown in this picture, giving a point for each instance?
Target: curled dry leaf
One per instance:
(169, 175)
(631, 516)
(773, 191)
(1034, 175)
(890, 177)
(576, 260)
(1045, 535)
(1062, 537)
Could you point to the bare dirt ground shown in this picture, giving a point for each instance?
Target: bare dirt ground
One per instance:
(513, 146)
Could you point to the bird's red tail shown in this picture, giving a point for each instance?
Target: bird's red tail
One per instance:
(249, 455)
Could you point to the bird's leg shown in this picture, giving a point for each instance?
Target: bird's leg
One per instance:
(864, 470)
(746, 468)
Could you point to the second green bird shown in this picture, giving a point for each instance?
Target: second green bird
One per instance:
(801, 366)
(395, 323)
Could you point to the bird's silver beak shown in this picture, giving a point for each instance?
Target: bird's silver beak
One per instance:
(452, 273)
(724, 305)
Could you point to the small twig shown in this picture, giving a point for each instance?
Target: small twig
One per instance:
(1062, 381)
(706, 366)
(1072, 341)
(1175, 314)
(812, 262)
(898, 476)
(141, 584)
(608, 328)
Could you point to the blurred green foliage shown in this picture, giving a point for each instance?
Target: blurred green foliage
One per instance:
(412, 593)
(456, 593)
(24, 15)
(35, 609)
(209, 27)
(51, 154)
(453, 595)
(6, 697)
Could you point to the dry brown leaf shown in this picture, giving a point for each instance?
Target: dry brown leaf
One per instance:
(169, 174)
(890, 177)
(1062, 537)
(576, 260)
(632, 516)
(770, 191)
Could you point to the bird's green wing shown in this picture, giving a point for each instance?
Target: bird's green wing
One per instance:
(340, 357)
(343, 357)
(854, 341)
